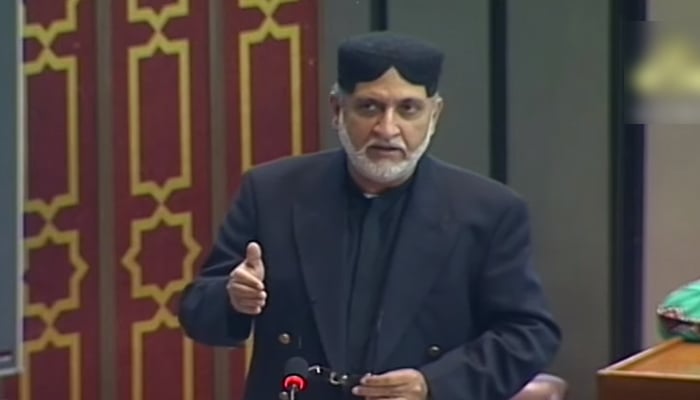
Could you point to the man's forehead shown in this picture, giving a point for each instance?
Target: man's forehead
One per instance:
(385, 97)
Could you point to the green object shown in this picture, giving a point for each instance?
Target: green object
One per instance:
(679, 314)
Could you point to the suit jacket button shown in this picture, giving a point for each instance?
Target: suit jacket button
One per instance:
(433, 351)
(284, 396)
(284, 338)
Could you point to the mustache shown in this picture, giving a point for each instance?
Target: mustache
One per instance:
(397, 144)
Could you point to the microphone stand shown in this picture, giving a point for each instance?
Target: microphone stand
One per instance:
(293, 392)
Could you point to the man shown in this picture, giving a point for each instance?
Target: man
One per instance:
(412, 277)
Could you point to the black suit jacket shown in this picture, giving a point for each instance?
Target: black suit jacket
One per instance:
(463, 303)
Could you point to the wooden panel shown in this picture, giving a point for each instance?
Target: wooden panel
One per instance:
(61, 319)
(680, 358)
(668, 370)
(161, 193)
(271, 93)
(158, 176)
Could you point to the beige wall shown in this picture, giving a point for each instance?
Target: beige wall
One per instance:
(672, 238)
(558, 159)
(672, 215)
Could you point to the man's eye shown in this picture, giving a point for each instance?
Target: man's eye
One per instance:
(409, 109)
(368, 107)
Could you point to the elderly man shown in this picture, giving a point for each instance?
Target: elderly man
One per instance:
(408, 277)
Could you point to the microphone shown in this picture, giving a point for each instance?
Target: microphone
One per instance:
(296, 372)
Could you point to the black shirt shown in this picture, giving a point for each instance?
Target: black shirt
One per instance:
(373, 225)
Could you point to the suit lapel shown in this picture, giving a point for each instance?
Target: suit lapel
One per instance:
(319, 229)
(424, 240)
(422, 247)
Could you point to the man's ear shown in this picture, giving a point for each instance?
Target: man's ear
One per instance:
(439, 104)
(335, 110)
(435, 116)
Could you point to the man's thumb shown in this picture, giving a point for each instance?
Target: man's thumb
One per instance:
(253, 255)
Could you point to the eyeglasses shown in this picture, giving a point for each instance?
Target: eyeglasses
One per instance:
(333, 377)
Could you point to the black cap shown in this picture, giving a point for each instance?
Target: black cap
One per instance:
(366, 57)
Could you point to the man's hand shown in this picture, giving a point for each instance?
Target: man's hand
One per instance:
(402, 384)
(245, 285)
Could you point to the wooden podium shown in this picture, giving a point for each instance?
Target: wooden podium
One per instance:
(668, 371)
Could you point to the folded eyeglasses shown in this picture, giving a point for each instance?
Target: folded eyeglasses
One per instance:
(333, 377)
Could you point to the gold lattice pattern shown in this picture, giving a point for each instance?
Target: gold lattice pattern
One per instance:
(51, 235)
(162, 215)
(247, 39)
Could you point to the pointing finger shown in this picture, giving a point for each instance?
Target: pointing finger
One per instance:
(391, 378)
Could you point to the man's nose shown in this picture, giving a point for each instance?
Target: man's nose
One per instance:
(387, 127)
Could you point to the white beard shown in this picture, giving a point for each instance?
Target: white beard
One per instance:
(384, 171)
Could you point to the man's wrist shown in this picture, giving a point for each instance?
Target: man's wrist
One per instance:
(426, 386)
